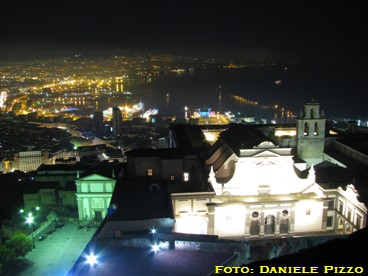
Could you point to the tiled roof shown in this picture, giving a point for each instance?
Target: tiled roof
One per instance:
(239, 136)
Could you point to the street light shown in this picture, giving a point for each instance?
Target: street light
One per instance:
(92, 259)
(154, 235)
(155, 248)
(29, 221)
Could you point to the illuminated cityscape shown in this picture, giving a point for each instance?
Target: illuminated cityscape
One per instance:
(182, 138)
(56, 128)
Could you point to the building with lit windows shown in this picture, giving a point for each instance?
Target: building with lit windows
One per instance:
(247, 183)
(94, 189)
(258, 188)
(117, 121)
(93, 196)
(30, 160)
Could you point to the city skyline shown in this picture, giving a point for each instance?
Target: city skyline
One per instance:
(328, 36)
(184, 125)
(170, 83)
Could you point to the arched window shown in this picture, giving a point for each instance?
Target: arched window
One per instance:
(154, 187)
(306, 129)
(315, 129)
(269, 224)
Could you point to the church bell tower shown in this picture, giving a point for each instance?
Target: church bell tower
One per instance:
(310, 140)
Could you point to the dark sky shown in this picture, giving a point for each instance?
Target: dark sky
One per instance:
(268, 29)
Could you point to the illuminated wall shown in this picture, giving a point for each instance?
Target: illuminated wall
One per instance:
(263, 169)
(308, 216)
(191, 224)
(351, 214)
(257, 193)
(190, 211)
(230, 220)
(93, 196)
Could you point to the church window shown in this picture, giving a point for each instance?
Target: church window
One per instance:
(331, 204)
(308, 212)
(186, 176)
(150, 172)
(341, 207)
(255, 214)
(349, 214)
(358, 221)
(329, 222)
(172, 178)
(306, 129)
(285, 213)
(316, 129)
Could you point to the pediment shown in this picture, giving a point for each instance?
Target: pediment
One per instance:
(95, 177)
(266, 153)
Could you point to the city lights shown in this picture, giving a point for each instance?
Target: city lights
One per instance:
(171, 139)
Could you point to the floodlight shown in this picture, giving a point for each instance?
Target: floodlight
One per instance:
(91, 259)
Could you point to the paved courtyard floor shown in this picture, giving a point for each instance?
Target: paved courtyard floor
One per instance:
(55, 255)
(117, 259)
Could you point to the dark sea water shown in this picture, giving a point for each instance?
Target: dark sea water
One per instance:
(340, 88)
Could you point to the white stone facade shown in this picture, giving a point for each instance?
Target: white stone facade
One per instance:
(259, 194)
(93, 196)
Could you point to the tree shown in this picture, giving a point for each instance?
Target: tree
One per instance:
(20, 244)
(7, 256)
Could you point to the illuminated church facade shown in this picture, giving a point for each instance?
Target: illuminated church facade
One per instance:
(248, 186)
(258, 189)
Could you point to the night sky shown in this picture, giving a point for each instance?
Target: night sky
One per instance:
(253, 29)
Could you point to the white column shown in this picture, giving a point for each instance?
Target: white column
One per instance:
(277, 223)
(262, 224)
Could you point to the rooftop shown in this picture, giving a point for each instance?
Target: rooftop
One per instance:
(240, 136)
(115, 258)
(140, 199)
(163, 153)
(331, 176)
(357, 141)
(62, 167)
